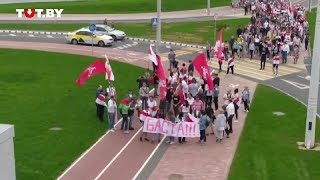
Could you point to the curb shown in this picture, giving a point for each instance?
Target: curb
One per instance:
(128, 38)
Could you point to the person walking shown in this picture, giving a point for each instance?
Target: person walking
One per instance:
(172, 59)
(132, 106)
(252, 48)
(236, 101)
(263, 57)
(145, 113)
(209, 96)
(112, 109)
(204, 123)
(172, 119)
(231, 64)
(181, 118)
(275, 64)
(295, 54)
(220, 124)
(246, 98)
(216, 96)
(285, 52)
(159, 115)
(231, 111)
(306, 42)
(176, 103)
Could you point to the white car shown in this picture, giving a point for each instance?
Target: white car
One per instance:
(85, 36)
(105, 29)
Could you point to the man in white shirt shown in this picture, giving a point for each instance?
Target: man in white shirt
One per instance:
(185, 86)
(230, 110)
(285, 52)
(112, 109)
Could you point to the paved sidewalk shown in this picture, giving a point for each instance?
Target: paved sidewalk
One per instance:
(221, 11)
(192, 161)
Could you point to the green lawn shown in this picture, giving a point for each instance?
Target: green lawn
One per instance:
(187, 32)
(115, 6)
(267, 147)
(312, 24)
(38, 91)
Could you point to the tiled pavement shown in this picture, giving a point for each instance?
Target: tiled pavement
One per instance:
(193, 161)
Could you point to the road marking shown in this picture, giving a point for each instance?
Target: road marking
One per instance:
(49, 36)
(31, 35)
(86, 152)
(114, 158)
(124, 147)
(168, 47)
(12, 35)
(124, 46)
(132, 54)
(135, 42)
(151, 155)
(120, 47)
(297, 85)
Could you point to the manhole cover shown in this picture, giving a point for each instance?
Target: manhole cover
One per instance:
(56, 129)
(279, 113)
(175, 177)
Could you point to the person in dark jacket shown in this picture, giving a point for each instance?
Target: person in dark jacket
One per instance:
(190, 67)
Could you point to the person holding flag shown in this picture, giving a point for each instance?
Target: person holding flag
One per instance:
(219, 50)
(101, 104)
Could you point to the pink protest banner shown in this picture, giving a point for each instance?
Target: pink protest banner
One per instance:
(165, 127)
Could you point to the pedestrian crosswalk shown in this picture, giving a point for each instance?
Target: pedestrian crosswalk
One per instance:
(181, 52)
(251, 68)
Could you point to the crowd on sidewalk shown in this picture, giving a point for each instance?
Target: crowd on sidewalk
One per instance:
(185, 95)
(276, 30)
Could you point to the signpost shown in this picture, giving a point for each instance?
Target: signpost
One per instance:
(92, 28)
(158, 26)
(314, 87)
(154, 22)
(215, 25)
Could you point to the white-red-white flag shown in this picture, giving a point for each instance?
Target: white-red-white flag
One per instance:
(162, 77)
(290, 10)
(218, 48)
(152, 56)
(109, 73)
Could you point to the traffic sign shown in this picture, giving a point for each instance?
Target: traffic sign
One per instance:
(154, 22)
(92, 27)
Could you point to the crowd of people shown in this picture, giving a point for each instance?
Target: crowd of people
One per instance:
(185, 95)
(276, 31)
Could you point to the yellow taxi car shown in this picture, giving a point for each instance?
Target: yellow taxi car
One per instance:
(85, 36)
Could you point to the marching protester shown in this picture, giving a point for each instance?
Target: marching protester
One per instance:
(181, 118)
(124, 109)
(220, 124)
(230, 64)
(101, 104)
(236, 102)
(246, 98)
(144, 92)
(172, 119)
(144, 113)
(99, 91)
(275, 66)
(203, 126)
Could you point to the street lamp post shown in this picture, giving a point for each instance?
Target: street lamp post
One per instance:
(309, 5)
(208, 8)
(158, 26)
(314, 87)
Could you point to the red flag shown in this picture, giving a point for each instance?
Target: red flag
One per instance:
(162, 78)
(218, 48)
(201, 65)
(95, 68)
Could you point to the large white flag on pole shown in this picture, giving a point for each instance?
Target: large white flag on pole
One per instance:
(109, 73)
(152, 56)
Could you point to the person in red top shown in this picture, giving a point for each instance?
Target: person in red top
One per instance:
(276, 62)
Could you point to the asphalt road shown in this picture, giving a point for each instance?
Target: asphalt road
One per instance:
(137, 46)
(292, 80)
